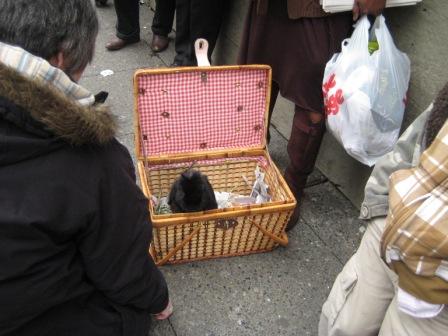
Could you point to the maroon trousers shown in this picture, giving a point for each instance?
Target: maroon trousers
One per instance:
(297, 50)
(303, 145)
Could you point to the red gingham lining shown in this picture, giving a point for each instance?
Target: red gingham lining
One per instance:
(224, 111)
(260, 159)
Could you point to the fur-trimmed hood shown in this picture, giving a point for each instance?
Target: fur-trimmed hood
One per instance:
(52, 113)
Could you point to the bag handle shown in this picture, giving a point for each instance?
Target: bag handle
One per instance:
(383, 36)
(359, 40)
(201, 51)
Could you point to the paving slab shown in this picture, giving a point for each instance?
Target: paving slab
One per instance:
(121, 100)
(344, 171)
(324, 209)
(280, 292)
(161, 328)
(134, 56)
(333, 218)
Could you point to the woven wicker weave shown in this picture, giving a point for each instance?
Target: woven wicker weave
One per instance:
(216, 233)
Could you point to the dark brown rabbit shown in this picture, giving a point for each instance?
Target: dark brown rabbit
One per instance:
(192, 192)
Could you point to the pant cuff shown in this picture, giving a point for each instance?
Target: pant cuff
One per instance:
(133, 37)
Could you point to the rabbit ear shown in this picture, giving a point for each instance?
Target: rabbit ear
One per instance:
(188, 176)
(190, 167)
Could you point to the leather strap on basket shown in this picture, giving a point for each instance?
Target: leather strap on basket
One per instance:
(283, 241)
(201, 50)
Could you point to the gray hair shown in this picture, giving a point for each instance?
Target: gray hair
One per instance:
(47, 27)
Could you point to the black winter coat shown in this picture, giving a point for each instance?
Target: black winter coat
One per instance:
(74, 227)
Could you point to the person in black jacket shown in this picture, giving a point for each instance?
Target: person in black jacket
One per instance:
(74, 226)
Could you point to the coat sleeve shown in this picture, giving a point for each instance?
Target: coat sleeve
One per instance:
(405, 155)
(115, 245)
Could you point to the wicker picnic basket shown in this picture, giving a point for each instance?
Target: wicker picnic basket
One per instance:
(215, 117)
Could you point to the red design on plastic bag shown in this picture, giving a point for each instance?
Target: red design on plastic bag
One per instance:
(332, 102)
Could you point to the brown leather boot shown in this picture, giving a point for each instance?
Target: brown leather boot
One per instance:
(303, 147)
(296, 185)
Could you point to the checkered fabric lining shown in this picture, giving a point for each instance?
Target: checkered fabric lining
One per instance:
(260, 159)
(185, 112)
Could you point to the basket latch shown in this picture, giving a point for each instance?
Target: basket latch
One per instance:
(225, 224)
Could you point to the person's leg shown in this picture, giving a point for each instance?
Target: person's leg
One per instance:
(162, 23)
(303, 146)
(319, 39)
(182, 41)
(397, 323)
(362, 292)
(274, 94)
(128, 27)
(205, 22)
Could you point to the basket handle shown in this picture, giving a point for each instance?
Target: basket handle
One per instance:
(201, 51)
(283, 240)
(178, 247)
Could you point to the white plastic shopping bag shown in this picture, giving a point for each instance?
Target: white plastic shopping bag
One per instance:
(365, 94)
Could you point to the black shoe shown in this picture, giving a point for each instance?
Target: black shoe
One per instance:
(118, 43)
(159, 43)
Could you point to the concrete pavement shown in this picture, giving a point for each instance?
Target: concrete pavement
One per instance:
(277, 293)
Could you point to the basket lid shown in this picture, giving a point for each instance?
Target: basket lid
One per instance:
(201, 109)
